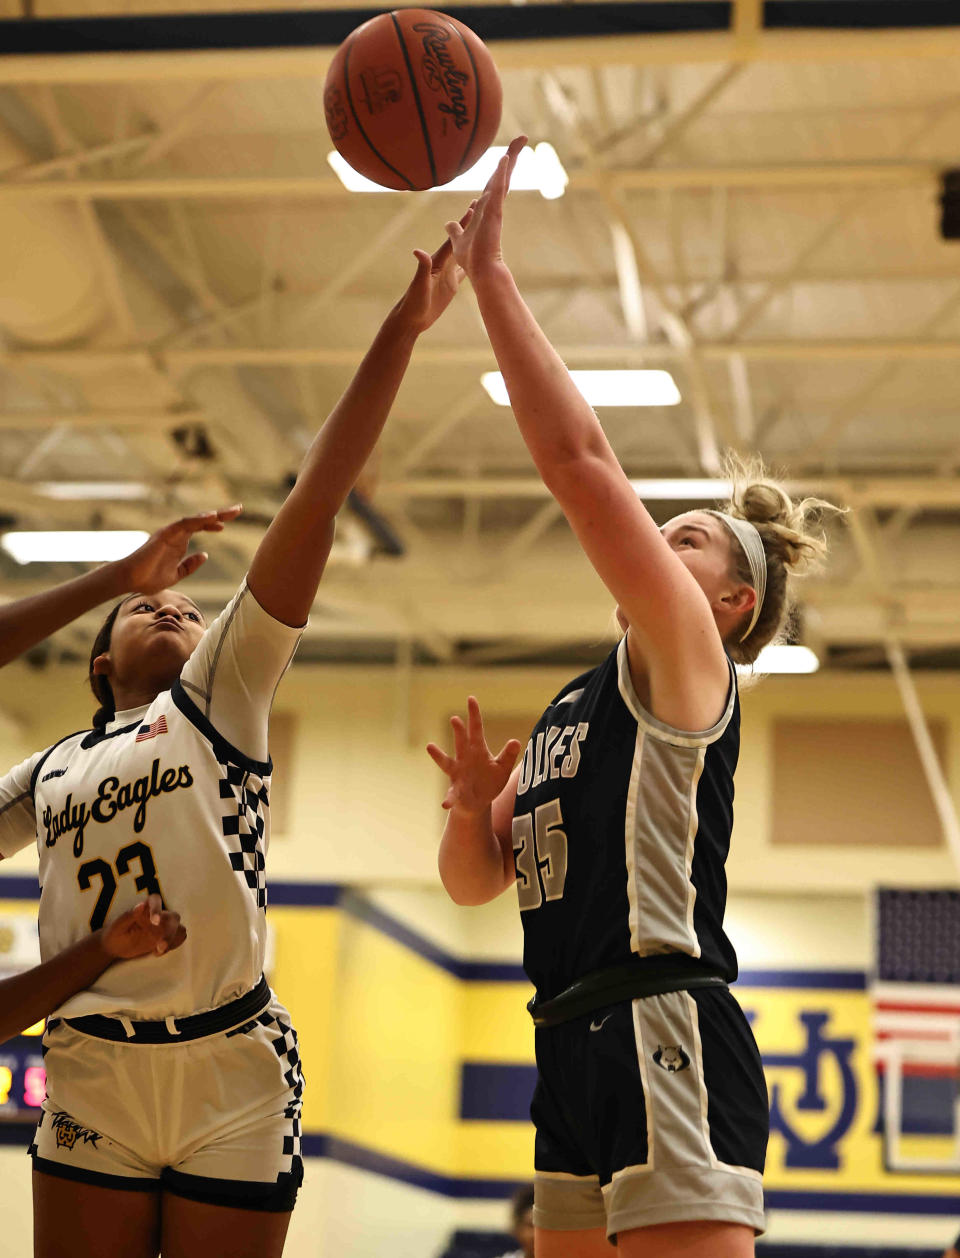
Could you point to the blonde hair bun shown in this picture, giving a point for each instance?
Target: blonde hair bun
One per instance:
(790, 528)
(793, 540)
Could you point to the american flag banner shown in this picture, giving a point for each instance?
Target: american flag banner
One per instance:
(915, 999)
(159, 726)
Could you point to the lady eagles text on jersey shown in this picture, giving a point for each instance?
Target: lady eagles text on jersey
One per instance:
(111, 798)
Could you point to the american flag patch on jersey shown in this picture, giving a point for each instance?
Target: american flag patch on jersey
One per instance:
(159, 726)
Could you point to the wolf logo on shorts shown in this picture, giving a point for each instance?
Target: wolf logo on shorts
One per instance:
(672, 1058)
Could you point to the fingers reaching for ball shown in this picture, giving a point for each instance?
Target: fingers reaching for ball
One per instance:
(476, 244)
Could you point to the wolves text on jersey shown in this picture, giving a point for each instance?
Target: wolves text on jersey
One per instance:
(112, 797)
(554, 753)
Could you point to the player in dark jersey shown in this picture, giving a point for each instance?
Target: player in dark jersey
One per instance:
(161, 561)
(650, 1107)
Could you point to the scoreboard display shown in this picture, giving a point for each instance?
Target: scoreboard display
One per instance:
(23, 1081)
(22, 1077)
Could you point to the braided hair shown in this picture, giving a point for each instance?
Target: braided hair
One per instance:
(102, 690)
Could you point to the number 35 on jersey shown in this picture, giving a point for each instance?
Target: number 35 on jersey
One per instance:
(540, 852)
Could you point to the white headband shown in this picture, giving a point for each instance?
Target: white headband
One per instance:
(751, 543)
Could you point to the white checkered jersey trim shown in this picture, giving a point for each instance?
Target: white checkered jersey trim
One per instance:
(283, 1039)
(246, 797)
(287, 1048)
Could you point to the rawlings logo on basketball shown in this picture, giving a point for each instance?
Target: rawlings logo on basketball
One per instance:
(672, 1058)
(441, 74)
(69, 1133)
(336, 114)
(380, 88)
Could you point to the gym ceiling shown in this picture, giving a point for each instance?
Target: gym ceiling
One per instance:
(754, 204)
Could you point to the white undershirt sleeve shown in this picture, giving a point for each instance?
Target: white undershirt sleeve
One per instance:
(18, 821)
(233, 674)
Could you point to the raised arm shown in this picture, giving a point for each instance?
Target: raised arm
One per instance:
(26, 998)
(476, 851)
(662, 602)
(290, 560)
(160, 562)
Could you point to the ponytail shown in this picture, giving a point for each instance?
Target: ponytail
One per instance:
(102, 690)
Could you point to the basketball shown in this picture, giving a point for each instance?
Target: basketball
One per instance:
(412, 99)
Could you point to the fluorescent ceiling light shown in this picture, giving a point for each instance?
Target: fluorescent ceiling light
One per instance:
(605, 388)
(82, 490)
(538, 169)
(683, 489)
(784, 659)
(75, 546)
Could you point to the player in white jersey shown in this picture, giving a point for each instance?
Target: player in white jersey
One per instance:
(650, 1107)
(172, 1120)
(148, 928)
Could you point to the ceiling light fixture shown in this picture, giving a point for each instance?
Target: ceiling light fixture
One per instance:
(781, 658)
(538, 169)
(75, 546)
(690, 489)
(83, 490)
(605, 388)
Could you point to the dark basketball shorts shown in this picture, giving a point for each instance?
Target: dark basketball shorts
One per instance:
(648, 1112)
(215, 1119)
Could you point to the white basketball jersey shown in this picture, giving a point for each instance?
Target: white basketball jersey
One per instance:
(175, 798)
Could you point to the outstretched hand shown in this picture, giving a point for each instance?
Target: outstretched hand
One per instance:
(147, 928)
(476, 775)
(162, 560)
(435, 284)
(477, 242)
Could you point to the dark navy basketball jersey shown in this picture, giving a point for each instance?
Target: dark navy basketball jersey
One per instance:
(620, 832)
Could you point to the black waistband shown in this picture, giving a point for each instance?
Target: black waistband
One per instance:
(673, 973)
(176, 1030)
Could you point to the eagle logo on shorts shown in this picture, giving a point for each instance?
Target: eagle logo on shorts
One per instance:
(69, 1133)
(672, 1058)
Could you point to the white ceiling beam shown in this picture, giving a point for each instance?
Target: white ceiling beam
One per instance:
(628, 283)
(481, 356)
(634, 268)
(633, 263)
(150, 420)
(325, 186)
(879, 491)
(937, 782)
(744, 417)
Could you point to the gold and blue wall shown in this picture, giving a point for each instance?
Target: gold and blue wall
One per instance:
(419, 1063)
